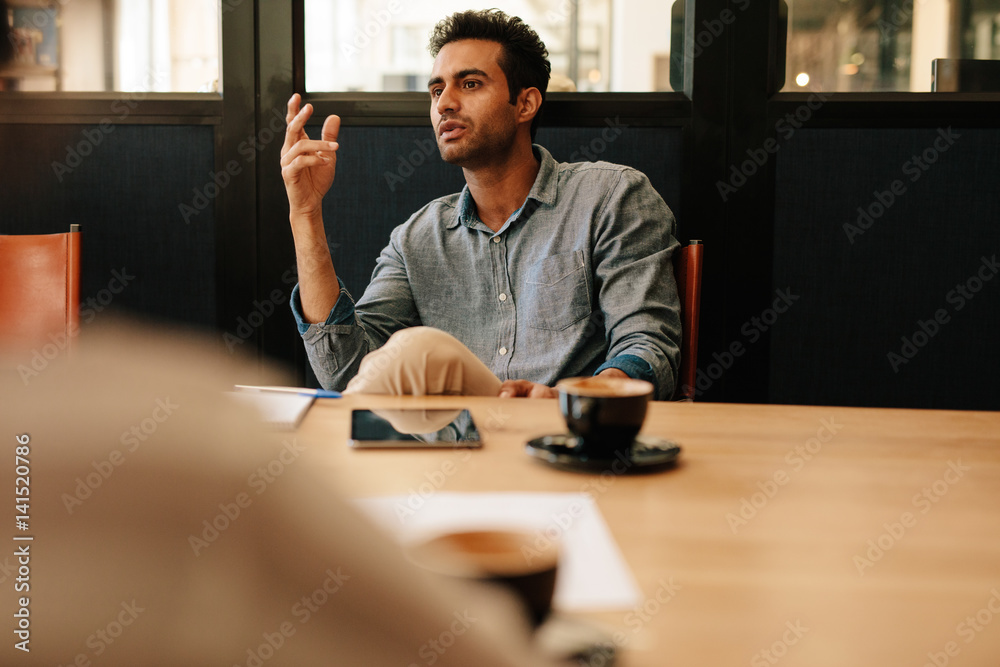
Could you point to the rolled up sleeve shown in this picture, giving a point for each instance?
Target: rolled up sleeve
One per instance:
(335, 347)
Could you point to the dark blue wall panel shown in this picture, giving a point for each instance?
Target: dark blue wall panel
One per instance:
(125, 185)
(876, 232)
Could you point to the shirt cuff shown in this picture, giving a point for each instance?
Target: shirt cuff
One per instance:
(341, 313)
(634, 367)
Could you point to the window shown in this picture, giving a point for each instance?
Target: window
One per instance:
(381, 45)
(113, 45)
(885, 45)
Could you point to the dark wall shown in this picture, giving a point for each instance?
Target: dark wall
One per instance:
(898, 303)
(124, 184)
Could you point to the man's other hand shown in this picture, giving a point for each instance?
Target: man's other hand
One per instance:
(525, 389)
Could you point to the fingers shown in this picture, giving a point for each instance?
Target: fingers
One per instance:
(525, 388)
(323, 150)
(295, 133)
(541, 391)
(513, 388)
(293, 107)
(296, 122)
(291, 170)
(331, 128)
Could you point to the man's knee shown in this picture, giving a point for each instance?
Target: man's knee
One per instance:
(412, 347)
(422, 343)
(420, 336)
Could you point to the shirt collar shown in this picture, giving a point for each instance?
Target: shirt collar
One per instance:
(543, 191)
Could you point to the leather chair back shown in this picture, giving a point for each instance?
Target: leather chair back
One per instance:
(687, 272)
(39, 288)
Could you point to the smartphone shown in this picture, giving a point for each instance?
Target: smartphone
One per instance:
(413, 429)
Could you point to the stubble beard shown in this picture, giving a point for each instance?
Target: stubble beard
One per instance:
(478, 149)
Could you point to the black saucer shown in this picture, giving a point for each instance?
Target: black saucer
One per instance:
(648, 454)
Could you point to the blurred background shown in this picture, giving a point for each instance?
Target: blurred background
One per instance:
(599, 45)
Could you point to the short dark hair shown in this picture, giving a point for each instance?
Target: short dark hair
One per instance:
(525, 60)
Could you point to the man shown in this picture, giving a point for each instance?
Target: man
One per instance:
(537, 270)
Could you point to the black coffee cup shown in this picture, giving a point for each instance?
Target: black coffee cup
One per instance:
(604, 413)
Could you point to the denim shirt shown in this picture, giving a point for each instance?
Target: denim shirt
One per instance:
(577, 280)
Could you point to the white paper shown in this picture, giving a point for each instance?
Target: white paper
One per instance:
(280, 411)
(592, 575)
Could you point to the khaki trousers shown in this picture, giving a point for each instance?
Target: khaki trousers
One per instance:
(422, 361)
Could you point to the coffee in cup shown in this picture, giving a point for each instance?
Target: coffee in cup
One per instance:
(511, 559)
(605, 413)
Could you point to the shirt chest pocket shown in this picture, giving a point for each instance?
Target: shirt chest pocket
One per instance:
(556, 292)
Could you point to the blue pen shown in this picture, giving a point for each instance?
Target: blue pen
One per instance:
(301, 391)
(321, 393)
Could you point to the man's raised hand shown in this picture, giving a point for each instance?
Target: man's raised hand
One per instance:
(307, 165)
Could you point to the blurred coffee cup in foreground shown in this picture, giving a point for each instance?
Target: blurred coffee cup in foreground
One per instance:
(508, 558)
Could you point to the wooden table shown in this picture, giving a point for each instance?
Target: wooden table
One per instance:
(789, 534)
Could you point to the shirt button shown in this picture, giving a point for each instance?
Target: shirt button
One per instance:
(503, 351)
(496, 239)
(503, 297)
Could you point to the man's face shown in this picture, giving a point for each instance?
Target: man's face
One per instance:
(471, 113)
